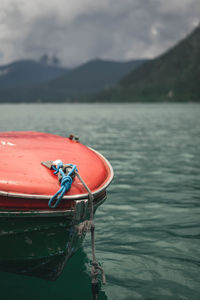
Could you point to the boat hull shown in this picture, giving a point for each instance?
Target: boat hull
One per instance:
(35, 239)
(39, 243)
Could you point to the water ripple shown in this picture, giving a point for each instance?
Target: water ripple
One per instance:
(148, 230)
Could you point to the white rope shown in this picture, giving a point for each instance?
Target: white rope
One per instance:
(95, 266)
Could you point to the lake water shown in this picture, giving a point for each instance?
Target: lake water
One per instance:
(148, 230)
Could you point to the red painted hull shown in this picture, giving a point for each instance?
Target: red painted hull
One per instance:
(26, 184)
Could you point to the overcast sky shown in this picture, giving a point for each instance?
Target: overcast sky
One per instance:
(79, 30)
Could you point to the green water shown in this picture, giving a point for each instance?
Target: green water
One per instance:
(148, 230)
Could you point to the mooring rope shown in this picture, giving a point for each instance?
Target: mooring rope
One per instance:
(66, 182)
(95, 266)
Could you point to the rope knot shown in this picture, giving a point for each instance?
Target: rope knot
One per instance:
(95, 271)
(66, 179)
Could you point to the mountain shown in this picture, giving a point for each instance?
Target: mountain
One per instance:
(91, 77)
(86, 79)
(27, 72)
(174, 76)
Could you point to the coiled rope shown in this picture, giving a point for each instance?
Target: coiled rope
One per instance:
(66, 182)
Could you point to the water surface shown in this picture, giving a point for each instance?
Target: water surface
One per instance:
(148, 230)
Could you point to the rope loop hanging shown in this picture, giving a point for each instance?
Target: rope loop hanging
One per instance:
(65, 184)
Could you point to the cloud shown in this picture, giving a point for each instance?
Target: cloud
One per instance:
(80, 30)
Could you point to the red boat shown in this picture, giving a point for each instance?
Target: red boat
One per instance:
(45, 186)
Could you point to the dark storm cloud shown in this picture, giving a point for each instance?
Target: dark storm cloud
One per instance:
(79, 30)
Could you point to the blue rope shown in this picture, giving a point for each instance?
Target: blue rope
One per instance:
(66, 183)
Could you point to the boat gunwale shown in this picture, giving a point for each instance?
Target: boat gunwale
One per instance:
(47, 213)
(71, 197)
